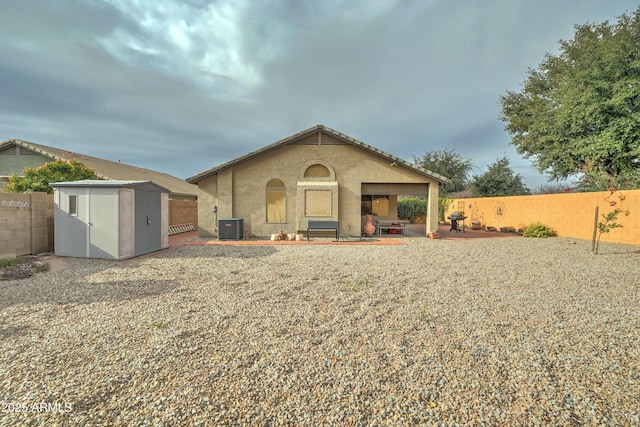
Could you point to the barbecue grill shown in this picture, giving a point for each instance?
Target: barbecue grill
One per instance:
(455, 217)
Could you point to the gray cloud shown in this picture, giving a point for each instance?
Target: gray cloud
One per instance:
(182, 86)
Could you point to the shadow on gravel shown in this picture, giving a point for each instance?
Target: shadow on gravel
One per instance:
(13, 331)
(218, 251)
(618, 251)
(57, 290)
(84, 293)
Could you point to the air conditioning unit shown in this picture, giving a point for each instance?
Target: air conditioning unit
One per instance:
(230, 229)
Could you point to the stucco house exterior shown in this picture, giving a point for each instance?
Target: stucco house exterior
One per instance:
(316, 174)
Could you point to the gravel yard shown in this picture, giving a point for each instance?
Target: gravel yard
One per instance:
(495, 331)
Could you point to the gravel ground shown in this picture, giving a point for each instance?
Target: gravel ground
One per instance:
(435, 332)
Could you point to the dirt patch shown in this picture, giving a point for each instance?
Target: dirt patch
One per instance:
(26, 266)
(55, 263)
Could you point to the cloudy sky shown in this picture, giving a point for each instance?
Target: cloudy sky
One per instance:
(181, 86)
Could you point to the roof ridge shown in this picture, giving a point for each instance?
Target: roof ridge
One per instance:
(318, 127)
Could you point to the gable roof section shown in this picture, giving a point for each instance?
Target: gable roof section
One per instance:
(307, 132)
(106, 169)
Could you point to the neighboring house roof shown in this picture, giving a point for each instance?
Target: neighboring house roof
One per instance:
(107, 169)
(111, 184)
(347, 139)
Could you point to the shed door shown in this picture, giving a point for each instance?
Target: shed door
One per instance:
(72, 227)
(148, 222)
(103, 223)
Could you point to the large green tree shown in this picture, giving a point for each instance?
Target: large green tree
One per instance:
(499, 180)
(449, 164)
(38, 179)
(578, 114)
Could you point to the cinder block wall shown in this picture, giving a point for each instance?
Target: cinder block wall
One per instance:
(183, 212)
(570, 214)
(26, 224)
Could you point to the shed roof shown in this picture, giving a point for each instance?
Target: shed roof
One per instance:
(107, 169)
(290, 139)
(140, 185)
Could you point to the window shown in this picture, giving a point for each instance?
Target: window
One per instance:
(374, 205)
(317, 171)
(276, 198)
(73, 205)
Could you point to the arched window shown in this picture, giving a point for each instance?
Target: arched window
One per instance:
(276, 202)
(317, 171)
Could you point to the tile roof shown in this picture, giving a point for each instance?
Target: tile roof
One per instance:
(347, 139)
(107, 169)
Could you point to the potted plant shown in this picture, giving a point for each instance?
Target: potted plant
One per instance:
(281, 235)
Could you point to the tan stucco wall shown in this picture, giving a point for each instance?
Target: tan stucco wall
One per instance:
(569, 214)
(240, 191)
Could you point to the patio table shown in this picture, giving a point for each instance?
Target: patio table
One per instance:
(388, 224)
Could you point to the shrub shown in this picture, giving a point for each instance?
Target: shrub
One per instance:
(6, 262)
(411, 208)
(443, 205)
(38, 179)
(21, 268)
(538, 229)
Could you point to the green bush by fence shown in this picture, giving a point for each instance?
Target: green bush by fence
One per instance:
(412, 208)
(443, 205)
(538, 229)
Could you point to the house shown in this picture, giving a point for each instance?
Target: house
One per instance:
(316, 174)
(16, 155)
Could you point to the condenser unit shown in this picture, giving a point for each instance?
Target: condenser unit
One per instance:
(230, 229)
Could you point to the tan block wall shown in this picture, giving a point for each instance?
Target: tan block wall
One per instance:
(183, 212)
(240, 191)
(26, 224)
(570, 214)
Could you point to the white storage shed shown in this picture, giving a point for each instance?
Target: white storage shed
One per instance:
(110, 219)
